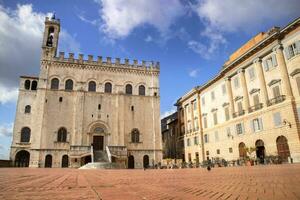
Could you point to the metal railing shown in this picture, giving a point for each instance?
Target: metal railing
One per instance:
(276, 100)
(255, 107)
(239, 113)
(108, 154)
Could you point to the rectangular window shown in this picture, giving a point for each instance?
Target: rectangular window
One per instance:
(228, 131)
(276, 91)
(196, 140)
(218, 151)
(207, 153)
(257, 125)
(216, 136)
(190, 157)
(277, 118)
(206, 138)
(212, 95)
(223, 89)
(251, 73)
(239, 128)
(230, 150)
(196, 126)
(240, 106)
(227, 116)
(195, 105)
(292, 50)
(203, 100)
(236, 82)
(205, 122)
(255, 99)
(215, 115)
(188, 142)
(270, 62)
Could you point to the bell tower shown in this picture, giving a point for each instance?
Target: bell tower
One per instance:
(51, 35)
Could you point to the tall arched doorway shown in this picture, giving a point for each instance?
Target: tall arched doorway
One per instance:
(130, 162)
(260, 150)
(242, 150)
(146, 161)
(283, 148)
(48, 161)
(65, 161)
(22, 159)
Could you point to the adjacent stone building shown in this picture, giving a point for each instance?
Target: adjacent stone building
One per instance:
(78, 109)
(254, 101)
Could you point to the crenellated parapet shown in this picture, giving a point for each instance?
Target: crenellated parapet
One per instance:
(108, 62)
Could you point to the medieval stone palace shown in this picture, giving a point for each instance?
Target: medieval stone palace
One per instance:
(78, 111)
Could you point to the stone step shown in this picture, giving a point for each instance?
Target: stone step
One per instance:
(102, 165)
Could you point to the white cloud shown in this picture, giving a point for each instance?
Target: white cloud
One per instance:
(6, 129)
(194, 73)
(21, 33)
(167, 113)
(120, 17)
(234, 15)
(148, 38)
(8, 94)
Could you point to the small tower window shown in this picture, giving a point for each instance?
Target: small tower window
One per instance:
(132, 108)
(27, 109)
(54, 84)
(33, 85)
(142, 90)
(60, 99)
(108, 88)
(25, 134)
(69, 85)
(92, 86)
(99, 106)
(62, 135)
(128, 89)
(27, 85)
(135, 136)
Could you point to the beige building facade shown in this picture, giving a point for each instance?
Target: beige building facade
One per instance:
(254, 101)
(81, 110)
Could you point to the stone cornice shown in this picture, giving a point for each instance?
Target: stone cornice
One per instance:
(295, 72)
(274, 81)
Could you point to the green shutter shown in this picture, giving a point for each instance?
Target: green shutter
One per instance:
(287, 53)
(261, 124)
(265, 64)
(274, 61)
(298, 47)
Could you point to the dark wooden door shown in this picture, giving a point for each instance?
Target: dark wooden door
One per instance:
(48, 161)
(98, 143)
(283, 148)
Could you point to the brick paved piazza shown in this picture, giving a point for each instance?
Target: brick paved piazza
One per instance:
(259, 182)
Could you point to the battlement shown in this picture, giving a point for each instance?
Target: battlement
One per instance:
(146, 65)
(52, 20)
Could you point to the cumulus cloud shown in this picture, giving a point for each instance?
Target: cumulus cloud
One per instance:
(8, 95)
(236, 15)
(148, 38)
(167, 113)
(6, 129)
(121, 17)
(21, 33)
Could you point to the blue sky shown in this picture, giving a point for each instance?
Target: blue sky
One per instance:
(191, 39)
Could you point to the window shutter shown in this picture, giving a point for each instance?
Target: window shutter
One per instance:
(274, 61)
(298, 47)
(287, 53)
(265, 64)
(261, 124)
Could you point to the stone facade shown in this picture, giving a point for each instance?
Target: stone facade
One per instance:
(254, 101)
(75, 103)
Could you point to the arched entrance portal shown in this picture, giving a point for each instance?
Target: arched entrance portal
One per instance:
(48, 161)
(146, 161)
(65, 161)
(131, 162)
(283, 148)
(22, 159)
(242, 150)
(260, 150)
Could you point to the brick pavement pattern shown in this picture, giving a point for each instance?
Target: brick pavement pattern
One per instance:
(258, 182)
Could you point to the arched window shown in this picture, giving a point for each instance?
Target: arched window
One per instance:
(108, 87)
(54, 84)
(27, 109)
(62, 135)
(27, 85)
(33, 85)
(50, 37)
(135, 136)
(242, 150)
(142, 90)
(69, 85)
(128, 89)
(92, 86)
(25, 134)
